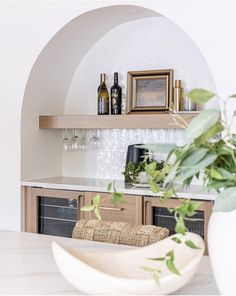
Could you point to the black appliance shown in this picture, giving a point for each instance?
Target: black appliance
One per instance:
(135, 154)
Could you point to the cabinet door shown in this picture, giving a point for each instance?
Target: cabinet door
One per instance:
(155, 213)
(129, 211)
(52, 211)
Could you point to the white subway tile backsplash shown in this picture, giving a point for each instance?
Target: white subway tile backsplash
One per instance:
(107, 158)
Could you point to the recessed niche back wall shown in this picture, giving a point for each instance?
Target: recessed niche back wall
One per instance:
(145, 44)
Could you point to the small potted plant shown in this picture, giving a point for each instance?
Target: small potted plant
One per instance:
(137, 173)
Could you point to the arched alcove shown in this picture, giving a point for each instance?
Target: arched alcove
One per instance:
(51, 81)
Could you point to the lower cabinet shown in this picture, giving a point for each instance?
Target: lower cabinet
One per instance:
(129, 211)
(155, 213)
(52, 212)
(55, 212)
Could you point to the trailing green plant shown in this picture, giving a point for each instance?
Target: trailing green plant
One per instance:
(116, 198)
(209, 153)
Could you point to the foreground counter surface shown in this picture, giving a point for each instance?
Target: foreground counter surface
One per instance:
(27, 266)
(100, 185)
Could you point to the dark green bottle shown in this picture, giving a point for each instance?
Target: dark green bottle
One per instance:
(116, 96)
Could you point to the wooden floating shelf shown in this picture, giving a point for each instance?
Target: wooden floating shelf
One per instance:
(162, 120)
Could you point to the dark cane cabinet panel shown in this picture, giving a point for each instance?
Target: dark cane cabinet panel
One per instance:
(155, 213)
(52, 212)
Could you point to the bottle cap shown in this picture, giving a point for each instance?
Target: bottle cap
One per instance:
(115, 77)
(103, 77)
(178, 83)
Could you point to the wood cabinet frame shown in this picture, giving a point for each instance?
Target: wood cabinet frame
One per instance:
(150, 202)
(31, 204)
(139, 209)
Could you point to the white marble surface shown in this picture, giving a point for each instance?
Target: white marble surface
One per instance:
(89, 184)
(27, 266)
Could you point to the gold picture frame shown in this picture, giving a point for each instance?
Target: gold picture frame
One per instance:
(149, 91)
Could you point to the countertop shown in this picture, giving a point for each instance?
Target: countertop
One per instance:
(100, 185)
(27, 266)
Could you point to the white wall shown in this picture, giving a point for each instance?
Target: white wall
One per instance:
(144, 44)
(26, 27)
(49, 81)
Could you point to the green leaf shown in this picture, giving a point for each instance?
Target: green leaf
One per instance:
(192, 207)
(233, 139)
(171, 255)
(159, 148)
(216, 175)
(167, 195)
(182, 209)
(194, 157)
(220, 184)
(224, 173)
(97, 213)
(226, 201)
(117, 197)
(191, 244)
(87, 208)
(202, 123)
(176, 240)
(157, 259)
(187, 208)
(170, 177)
(150, 168)
(96, 199)
(202, 164)
(213, 131)
(180, 227)
(232, 96)
(224, 150)
(150, 269)
(147, 268)
(155, 188)
(171, 266)
(171, 153)
(156, 278)
(200, 95)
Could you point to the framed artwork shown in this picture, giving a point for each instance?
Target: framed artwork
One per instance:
(149, 91)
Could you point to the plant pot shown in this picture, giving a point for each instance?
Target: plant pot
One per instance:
(221, 243)
(142, 178)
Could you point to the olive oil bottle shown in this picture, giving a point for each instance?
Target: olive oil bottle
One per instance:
(103, 96)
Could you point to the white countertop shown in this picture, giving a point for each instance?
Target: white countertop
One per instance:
(100, 185)
(27, 266)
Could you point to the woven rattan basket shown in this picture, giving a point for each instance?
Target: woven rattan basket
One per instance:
(119, 232)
